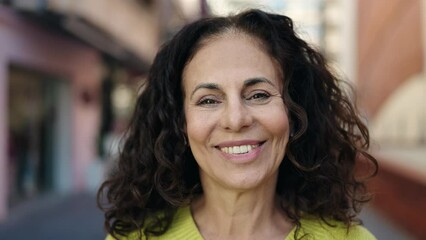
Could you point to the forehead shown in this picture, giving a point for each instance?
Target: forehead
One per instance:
(230, 56)
(227, 43)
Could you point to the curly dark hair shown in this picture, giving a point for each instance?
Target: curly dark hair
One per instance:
(157, 172)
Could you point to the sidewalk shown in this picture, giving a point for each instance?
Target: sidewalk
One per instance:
(77, 217)
(381, 227)
(55, 217)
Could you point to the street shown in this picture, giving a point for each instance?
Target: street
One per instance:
(67, 217)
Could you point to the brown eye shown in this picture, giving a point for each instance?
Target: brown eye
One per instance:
(259, 96)
(207, 101)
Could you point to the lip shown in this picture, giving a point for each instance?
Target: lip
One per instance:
(241, 158)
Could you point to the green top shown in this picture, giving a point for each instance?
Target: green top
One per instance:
(183, 227)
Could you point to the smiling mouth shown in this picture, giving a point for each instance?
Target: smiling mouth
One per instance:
(242, 149)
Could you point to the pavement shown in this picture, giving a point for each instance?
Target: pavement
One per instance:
(67, 217)
(381, 227)
(62, 217)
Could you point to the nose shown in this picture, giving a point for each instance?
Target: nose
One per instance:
(236, 115)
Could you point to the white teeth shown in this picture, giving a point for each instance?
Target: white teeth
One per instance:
(243, 149)
(239, 149)
(229, 150)
(236, 149)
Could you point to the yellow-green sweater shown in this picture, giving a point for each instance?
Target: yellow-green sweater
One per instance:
(184, 227)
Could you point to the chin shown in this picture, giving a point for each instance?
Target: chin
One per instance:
(244, 183)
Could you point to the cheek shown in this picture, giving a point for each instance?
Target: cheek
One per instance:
(281, 125)
(276, 121)
(278, 127)
(197, 126)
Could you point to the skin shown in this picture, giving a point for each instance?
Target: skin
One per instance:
(232, 97)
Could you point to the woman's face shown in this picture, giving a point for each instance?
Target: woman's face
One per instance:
(236, 120)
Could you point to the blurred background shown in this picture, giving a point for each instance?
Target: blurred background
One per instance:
(69, 76)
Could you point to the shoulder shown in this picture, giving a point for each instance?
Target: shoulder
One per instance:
(316, 229)
(182, 227)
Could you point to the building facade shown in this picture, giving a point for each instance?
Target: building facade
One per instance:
(49, 108)
(68, 71)
(391, 83)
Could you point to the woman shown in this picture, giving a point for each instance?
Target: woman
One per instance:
(241, 132)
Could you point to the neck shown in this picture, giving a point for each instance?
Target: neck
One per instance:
(240, 214)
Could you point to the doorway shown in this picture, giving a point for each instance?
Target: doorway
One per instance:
(33, 122)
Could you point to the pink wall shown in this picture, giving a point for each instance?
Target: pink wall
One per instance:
(31, 46)
(3, 136)
(389, 49)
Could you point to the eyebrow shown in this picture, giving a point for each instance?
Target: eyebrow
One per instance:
(212, 86)
(247, 83)
(254, 81)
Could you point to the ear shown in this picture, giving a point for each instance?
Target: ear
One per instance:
(182, 122)
(184, 128)
(292, 128)
(291, 134)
